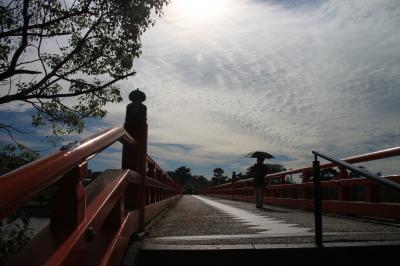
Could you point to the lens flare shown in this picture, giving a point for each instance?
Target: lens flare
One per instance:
(200, 8)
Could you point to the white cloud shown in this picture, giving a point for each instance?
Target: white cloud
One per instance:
(267, 76)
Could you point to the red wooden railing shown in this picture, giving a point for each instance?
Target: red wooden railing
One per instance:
(89, 225)
(280, 192)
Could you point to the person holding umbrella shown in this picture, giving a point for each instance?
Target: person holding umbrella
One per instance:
(258, 171)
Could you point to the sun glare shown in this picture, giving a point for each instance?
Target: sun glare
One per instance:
(200, 8)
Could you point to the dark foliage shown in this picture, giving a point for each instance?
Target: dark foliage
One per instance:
(53, 50)
(14, 230)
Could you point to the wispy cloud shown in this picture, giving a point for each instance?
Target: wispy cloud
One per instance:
(284, 76)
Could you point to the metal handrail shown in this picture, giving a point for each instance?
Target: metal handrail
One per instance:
(381, 180)
(317, 187)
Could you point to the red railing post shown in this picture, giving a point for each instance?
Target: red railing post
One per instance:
(372, 192)
(159, 178)
(343, 191)
(136, 126)
(69, 202)
(233, 185)
(283, 179)
(305, 179)
(267, 190)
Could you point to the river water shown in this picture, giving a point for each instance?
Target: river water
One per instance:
(38, 223)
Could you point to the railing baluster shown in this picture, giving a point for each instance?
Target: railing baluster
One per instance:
(317, 202)
(68, 204)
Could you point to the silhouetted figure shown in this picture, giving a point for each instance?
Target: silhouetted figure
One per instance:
(258, 171)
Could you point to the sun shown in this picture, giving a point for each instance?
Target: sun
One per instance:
(200, 8)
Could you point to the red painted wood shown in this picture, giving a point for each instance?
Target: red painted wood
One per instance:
(119, 243)
(52, 248)
(92, 225)
(138, 130)
(20, 185)
(300, 195)
(68, 204)
(377, 210)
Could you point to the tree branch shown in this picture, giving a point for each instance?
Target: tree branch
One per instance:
(8, 129)
(24, 43)
(40, 45)
(48, 23)
(94, 88)
(64, 61)
(25, 93)
(22, 94)
(22, 71)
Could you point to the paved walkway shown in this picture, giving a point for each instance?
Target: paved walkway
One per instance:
(202, 221)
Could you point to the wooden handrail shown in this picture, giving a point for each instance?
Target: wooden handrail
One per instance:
(157, 167)
(387, 153)
(300, 195)
(18, 186)
(91, 224)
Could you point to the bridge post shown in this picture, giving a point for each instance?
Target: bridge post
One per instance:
(317, 202)
(136, 126)
(68, 204)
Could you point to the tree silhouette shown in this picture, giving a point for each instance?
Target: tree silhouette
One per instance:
(328, 174)
(191, 183)
(54, 50)
(218, 177)
(181, 175)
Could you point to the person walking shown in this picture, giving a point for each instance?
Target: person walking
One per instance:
(258, 171)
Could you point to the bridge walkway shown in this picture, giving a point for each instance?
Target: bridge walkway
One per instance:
(203, 223)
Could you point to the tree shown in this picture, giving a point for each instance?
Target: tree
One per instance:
(196, 182)
(357, 175)
(275, 168)
(191, 183)
(218, 172)
(218, 177)
(181, 175)
(200, 181)
(328, 174)
(15, 231)
(64, 57)
(14, 156)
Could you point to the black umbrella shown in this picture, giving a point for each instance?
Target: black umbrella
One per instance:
(259, 154)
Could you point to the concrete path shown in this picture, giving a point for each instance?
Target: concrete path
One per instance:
(201, 222)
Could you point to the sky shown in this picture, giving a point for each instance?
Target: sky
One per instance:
(227, 77)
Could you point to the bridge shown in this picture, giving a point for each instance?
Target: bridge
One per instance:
(137, 215)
